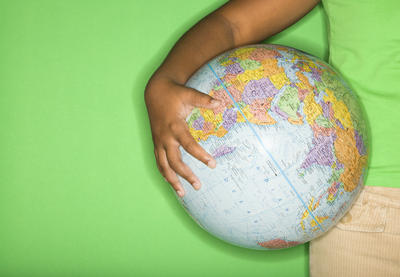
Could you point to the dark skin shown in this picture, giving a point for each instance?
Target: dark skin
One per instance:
(169, 101)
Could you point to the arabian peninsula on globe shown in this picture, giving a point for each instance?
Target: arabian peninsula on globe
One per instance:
(291, 146)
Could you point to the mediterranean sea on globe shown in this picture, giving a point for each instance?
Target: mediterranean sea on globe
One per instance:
(291, 146)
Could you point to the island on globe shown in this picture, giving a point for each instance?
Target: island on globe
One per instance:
(291, 146)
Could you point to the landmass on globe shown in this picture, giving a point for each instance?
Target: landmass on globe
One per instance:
(275, 85)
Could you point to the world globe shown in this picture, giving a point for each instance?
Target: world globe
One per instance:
(291, 146)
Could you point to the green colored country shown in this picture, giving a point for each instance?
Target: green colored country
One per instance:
(333, 82)
(335, 176)
(344, 93)
(195, 115)
(289, 102)
(249, 64)
(323, 122)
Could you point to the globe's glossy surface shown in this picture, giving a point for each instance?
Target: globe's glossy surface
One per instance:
(290, 143)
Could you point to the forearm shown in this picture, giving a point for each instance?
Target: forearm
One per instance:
(209, 37)
(234, 24)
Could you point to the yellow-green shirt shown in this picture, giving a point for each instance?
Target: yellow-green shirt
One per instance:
(364, 46)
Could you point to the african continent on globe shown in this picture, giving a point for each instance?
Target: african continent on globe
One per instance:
(290, 142)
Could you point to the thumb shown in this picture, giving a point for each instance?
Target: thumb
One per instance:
(202, 100)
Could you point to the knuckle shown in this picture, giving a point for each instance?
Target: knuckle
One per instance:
(163, 167)
(174, 181)
(171, 178)
(174, 127)
(169, 142)
(163, 164)
(177, 166)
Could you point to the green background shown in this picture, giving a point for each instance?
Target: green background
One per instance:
(80, 194)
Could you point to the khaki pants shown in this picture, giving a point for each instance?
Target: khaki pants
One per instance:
(366, 242)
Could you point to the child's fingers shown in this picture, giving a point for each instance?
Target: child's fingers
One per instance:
(202, 100)
(194, 149)
(175, 162)
(168, 173)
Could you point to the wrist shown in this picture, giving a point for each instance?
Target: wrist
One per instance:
(157, 84)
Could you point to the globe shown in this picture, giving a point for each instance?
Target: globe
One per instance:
(291, 146)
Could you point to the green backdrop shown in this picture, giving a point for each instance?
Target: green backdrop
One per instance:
(80, 194)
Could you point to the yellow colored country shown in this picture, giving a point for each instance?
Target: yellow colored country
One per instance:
(311, 108)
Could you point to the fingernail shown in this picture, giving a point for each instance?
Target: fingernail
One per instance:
(211, 163)
(196, 185)
(180, 193)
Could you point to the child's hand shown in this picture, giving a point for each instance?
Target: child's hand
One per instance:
(168, 105)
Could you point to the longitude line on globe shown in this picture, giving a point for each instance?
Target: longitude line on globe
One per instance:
(264, 147)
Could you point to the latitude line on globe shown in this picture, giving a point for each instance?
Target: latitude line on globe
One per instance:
(264, 147)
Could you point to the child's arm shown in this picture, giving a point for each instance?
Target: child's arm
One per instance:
(169, 102)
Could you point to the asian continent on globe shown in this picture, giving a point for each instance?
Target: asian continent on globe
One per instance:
(291, 146)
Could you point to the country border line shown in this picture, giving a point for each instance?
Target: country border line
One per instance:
(264, 147)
